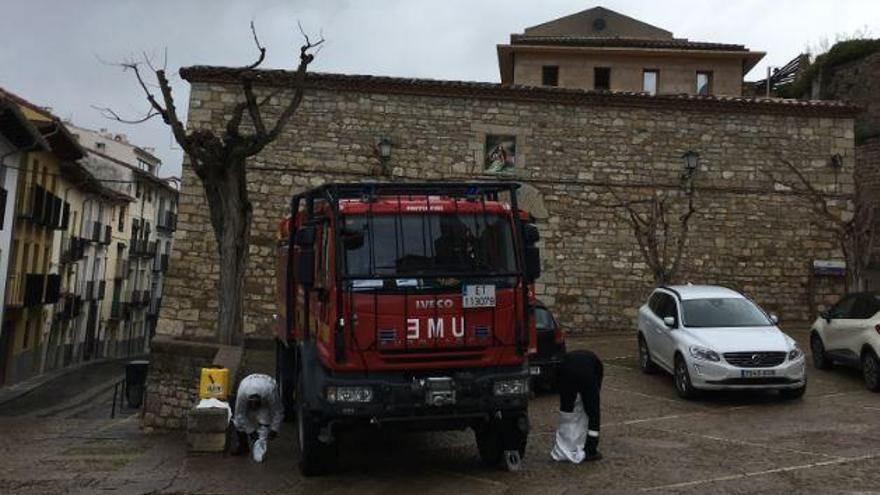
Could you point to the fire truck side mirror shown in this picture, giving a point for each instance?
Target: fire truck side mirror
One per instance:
(533, 263)
(531, 236)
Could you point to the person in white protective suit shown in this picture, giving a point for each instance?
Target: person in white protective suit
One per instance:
(580, 381)
(258, 414)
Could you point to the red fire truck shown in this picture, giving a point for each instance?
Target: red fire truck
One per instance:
(406, 305)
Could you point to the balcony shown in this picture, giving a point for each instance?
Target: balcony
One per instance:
(155, 305)
(160, 263)
(167, 221)
(97, 230)
(121, 269)
(34, 285)
(53, 289)
(120, 310)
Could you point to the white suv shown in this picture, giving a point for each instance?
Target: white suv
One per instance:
(713, 338)
(849, 333)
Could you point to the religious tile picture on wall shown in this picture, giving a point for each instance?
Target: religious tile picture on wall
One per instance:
(500, 153)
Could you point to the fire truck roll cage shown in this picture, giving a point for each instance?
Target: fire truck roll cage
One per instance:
(333, 193)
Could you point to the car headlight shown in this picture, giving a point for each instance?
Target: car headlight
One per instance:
(512, 387)
(795, 353)
(704, 353)
(348, 394)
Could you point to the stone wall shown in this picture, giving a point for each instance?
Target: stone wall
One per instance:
(868, 177)
(750, 232)
(856, 82)
(173, 382)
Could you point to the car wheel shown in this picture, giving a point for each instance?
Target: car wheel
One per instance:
(645, 363)
(683, 385)
(817, 348)
(871, 370)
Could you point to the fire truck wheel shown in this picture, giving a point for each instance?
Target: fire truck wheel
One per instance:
(497, 436)
(315, 457)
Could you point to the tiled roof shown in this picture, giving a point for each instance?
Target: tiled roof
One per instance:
(673, 43)
(494, 91)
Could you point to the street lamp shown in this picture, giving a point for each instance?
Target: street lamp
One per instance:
(383, 151)
(691, 162)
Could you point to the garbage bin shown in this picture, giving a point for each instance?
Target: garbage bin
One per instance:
(135, 382)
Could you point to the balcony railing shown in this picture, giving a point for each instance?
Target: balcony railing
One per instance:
(97, 230)
(167, 221)
(121, 269)
(160, 263)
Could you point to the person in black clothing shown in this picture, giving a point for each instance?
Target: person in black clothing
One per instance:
(581, 373)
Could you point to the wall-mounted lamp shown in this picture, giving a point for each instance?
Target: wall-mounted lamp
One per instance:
(836, 160)
(691, 162)
(383, 152)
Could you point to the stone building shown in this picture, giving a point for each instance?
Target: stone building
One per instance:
(850, 71)
(569, 145)
(603, 50)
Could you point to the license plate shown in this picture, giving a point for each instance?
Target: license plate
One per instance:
(534, 370)
(478, 296)
(757, 373)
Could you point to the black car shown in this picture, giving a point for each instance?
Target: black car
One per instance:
(551, 348)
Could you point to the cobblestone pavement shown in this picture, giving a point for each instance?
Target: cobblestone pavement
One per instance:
(828, 442)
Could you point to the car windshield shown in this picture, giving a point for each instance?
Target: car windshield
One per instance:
(433, 245)
(722, 312)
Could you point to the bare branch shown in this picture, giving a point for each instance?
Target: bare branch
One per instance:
(260, 47)
(305, 58)
(108, 113)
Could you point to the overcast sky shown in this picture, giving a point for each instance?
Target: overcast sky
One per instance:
(50, 49)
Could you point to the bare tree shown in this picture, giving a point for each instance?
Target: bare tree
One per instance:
(855, 233)
(661, 243)
(219, 159)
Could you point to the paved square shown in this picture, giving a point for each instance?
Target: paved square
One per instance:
(653, 442)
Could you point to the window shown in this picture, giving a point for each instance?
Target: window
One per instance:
(843, 309)
(650, 80)
(550, 75)
(704, 83)
(100, 146)
(121, 222)
(544, 320)
(663, 305)
(722, 312)
(602, 78)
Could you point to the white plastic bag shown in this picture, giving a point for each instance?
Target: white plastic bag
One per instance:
(261, 444)
(571, 435)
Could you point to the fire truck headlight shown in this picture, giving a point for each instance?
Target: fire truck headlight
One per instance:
(519, 386)
(348, 394)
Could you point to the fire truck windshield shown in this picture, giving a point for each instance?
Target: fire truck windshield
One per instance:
(429, 245)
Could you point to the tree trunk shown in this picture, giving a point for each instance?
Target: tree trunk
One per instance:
(231, 211)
